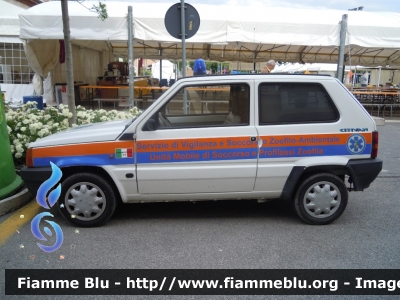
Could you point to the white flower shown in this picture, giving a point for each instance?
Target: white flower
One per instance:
(65, 112)
(28, 124)
(121, 115)
(61, 106)
(43, 132)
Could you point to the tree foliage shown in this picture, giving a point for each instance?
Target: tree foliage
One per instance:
(101, 10)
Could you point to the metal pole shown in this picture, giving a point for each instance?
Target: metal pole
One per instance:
(160, 69)
(183, 36)
(130, 58)
(379, 77)
(340, 66)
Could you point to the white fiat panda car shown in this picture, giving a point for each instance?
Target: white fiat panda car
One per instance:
(302, 138)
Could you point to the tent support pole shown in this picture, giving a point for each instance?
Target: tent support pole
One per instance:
(130, 58)
(160, 67)
(340, 66)
(379, 77)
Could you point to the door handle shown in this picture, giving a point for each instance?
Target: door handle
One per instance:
(253, 138)
(260, 142)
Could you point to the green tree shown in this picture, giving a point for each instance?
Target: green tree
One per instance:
(212, 65)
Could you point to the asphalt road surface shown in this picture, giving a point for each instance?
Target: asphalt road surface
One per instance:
(228, 235)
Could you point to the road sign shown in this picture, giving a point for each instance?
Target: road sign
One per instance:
(173, 24)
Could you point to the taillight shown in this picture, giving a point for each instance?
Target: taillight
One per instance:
(29, 158)
(375, 144)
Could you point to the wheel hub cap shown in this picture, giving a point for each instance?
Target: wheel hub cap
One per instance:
(85, 201)
(322, 199)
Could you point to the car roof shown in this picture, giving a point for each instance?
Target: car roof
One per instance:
(247, 76)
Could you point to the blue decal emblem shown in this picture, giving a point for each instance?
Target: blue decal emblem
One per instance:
(356, 144)
(52, 198)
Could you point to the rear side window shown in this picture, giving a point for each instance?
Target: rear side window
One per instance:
(286, 103)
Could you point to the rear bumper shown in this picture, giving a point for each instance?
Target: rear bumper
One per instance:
(363, 172)
(34, 177)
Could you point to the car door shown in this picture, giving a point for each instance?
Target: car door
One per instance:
(208, 145)
(295, 122)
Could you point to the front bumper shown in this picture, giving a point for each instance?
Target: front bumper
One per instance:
(34, 177)
(363, 172)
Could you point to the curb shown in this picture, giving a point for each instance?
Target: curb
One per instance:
(379, 121)
(16, 201)
(392, 121)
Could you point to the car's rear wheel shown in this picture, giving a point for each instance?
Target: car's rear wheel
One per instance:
(321, 198)
(87, 200)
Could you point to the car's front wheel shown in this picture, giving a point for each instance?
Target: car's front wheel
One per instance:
(321, 198)
(87, 200)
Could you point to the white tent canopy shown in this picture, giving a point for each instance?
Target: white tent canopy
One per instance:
(9, 22)
(226, 33)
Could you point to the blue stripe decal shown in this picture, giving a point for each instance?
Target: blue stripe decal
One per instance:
(300, 151)
(200, 155)
(196, 155)
(82, 160)
(245, 153)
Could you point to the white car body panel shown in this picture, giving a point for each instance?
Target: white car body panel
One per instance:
(98, 132)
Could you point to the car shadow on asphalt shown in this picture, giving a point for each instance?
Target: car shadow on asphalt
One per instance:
(275, 209)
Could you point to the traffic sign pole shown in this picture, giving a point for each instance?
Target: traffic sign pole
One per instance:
(183, 53)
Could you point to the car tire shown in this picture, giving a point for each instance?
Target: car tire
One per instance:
(321, 198)
(87, 200)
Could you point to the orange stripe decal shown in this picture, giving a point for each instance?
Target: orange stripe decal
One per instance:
(81, 149)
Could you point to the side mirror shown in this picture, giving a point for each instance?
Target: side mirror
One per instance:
(151, 125)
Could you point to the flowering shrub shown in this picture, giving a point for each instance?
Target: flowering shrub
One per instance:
(27, 123)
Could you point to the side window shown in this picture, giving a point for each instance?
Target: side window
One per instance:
(213, 105)
(286, 103)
